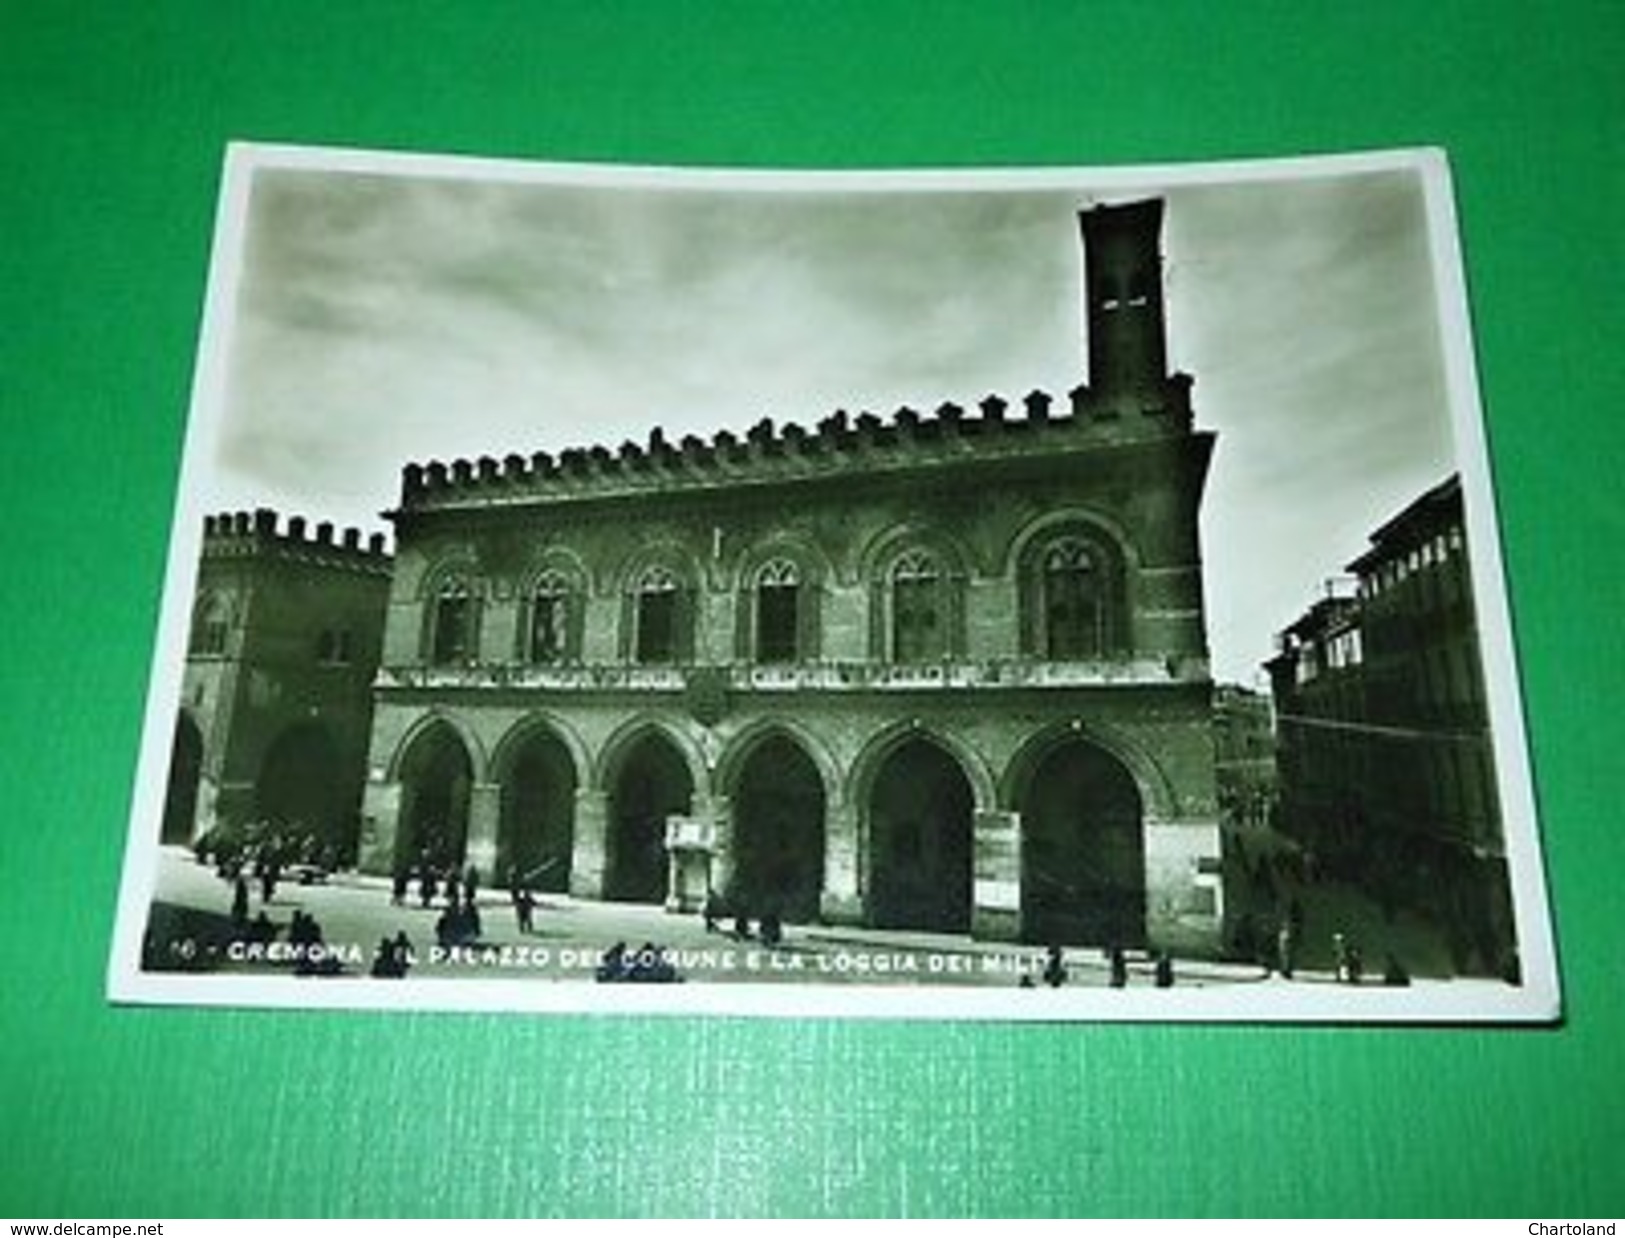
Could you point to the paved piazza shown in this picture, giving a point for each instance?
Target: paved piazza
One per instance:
(571, 935)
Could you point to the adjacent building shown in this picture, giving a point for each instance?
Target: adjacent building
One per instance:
(943, 671)
(276, 695)
(1244, 757)
(1386, 764)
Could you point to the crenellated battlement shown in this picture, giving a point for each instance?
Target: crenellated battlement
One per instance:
(840, 444)
(264, 532)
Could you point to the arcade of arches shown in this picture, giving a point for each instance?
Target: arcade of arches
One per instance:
(906, 841)
(185, 777)
(295, 787)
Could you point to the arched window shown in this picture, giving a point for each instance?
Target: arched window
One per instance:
(547, 636)
(1072, 598)
(454, 625)
(919, 627)
(778, 611)
(1074, 612)
(333, 647)
(210, 626)
(659, 617)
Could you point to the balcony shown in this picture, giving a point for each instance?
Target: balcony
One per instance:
(820, 677)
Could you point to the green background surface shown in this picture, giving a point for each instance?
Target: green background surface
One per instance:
(113, 119)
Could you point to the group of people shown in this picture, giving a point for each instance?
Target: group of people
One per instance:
(769, 928)
(647, 964)
(459, 924)
(1276, 940)
(1055, 972)
(393, 958)
(433, 881)
(261, 847)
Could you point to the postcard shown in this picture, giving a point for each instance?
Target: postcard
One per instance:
(1063, 594)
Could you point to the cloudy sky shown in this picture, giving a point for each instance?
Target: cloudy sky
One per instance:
(381, 318)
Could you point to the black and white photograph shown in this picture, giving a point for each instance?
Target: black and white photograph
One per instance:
(1045, 594)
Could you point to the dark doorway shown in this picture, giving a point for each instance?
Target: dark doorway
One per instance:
(1082, 850)
(778, 834)
(653, 784)
(185, 772)
(920, 841)
(435, 780)
(538, 815)
(300, 791)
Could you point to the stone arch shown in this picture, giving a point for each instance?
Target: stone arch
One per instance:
(917, 809)
(1074, 579)
(185, 780)
(889, 541)
(434, 717)
(809, 568)
(667, 552)
(452, 593)
(436, 769)
(740, 746)
(556, 727)
(538, 766)
(916, 577)
(984, 789)
(1050, 523)
(612, 752)
(561, 558)
(648, 774)
(798, 547)
(212, 619)
(300, 788)
(779, 794)
(458, 565)
(660, 588)
(552, 607)
(1156, 789)
(1083, 846)
(918, 832)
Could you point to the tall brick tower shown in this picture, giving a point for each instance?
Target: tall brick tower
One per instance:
(1127, 333)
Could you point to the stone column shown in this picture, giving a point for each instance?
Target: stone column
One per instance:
(841, 902)
(380, 825)
(205, 813)
(484, 820)
(587, 853)
(996, 876)
(721, 817)
(233, 804)
(1184, 890)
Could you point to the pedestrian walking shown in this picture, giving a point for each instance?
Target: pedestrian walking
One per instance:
(1054, 968)
(268, 876)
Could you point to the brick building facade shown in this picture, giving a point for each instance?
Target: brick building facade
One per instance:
(1244, 757)
(1386, 764)
(943, 671)
(276, 693)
